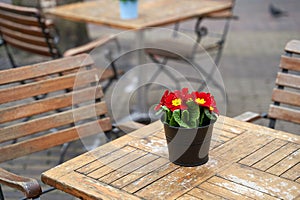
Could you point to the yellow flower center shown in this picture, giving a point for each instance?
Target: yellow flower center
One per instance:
(200, 101)
(211, 108)
(176, 102)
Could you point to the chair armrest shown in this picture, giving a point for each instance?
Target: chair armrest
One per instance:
(248, 116)
(30, 187)
(86, 48)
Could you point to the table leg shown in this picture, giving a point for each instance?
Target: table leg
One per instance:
(141, 61)
(140, 114)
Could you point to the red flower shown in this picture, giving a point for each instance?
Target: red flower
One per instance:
(174, 102)
(201, 98)
(162, 101)
(177, 100)
(213, 106)
(183, 94)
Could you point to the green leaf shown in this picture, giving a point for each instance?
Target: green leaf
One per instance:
(210, 115)
(159, 112)
(167, 114)
(194, 112)
(201, 118)
(185, 116)
(177, 118)
(173, 122)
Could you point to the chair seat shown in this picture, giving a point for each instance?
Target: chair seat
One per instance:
(177, 50)
(109, 74)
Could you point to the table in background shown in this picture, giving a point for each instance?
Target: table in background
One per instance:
(152, 13)
(246, 161)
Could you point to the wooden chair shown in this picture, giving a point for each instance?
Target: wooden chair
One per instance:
(28, 125)
(292, 48)
(286, 94)
(173, 49)
(27, 29)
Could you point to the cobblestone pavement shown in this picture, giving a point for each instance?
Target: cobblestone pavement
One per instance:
(248, 66)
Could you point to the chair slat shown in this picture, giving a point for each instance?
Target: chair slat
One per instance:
(47, 141)
(288, 80)
(20, 10)
(19, 19)
(290, 63)
(29, 30)
(43, 87)
(39, 41)
(46, 68)
(40, 50)
(52, 121)
(283, 113)
(287, 97)
(45, 105)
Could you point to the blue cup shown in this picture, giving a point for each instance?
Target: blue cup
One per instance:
(129, 9)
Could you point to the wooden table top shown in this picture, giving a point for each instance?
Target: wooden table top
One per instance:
(151, 12)
(246, 161)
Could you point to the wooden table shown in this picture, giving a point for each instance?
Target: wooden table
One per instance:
(152, 13)
(247, 161)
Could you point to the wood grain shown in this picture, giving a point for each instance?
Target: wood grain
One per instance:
(133, 164)
(270, 184)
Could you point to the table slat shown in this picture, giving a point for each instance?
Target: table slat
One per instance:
(269, 184)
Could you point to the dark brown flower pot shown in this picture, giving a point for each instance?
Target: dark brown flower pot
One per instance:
(188, 147)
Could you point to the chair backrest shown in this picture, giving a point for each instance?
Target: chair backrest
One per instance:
(26, 29)
(38, 110)
(286, 95)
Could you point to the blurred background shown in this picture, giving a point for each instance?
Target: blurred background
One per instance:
(248, 65)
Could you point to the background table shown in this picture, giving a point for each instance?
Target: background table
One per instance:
(246, 161)
(151, 12)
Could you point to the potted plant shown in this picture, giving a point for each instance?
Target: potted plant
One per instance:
(188, 120)
(128, 9)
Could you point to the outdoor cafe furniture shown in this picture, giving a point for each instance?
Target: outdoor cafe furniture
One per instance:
(27, 29)
(106, 13)
(246, 161)
(286, 94)
(45, 105)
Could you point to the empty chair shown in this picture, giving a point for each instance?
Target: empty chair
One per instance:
(28, 126)
(176, 50)
(285, 96)
(28, 30)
